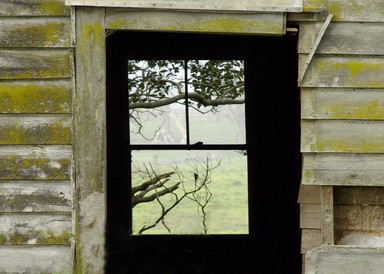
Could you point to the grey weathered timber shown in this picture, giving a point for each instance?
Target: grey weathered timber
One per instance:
(344, 71)
(35, 64)
(326, 215)
(344, 259)
(36, 97)
(36, 196)
(90, 139)
(26, 228)
(310, 238)
(349, 10)
(42, 259)
(34, 8)
(310, 216)
(249, 23)
(343, 169)
(348, 136)
(35, 129)
(35, 162)
(313, 48)
(221, 5)
(340, 104)
(35, 32)
(343, 38)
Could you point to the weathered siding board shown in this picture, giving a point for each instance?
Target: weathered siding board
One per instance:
(35, 259)
(35, 32)
(264, 23)
(310, 216)
(35, 96)
(34, 8)
(310, 238)
(342, 136)
(349, 10)
(30, 196)
(21, 229)
(35, 163)
(343, 38)
(344, 71)
(35, 130)
(345, 259)
(35, 64)
(359, 217)
(354, 104)
(343, 169)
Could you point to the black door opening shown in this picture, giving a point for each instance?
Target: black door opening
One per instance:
(274, 161)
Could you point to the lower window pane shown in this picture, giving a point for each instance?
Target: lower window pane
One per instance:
(189, 192)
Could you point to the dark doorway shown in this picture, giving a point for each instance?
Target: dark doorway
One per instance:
(274, 160)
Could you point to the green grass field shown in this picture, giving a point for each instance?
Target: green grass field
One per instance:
(227, 212)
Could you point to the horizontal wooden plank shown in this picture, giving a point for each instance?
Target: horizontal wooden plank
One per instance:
(351, 71)
(358, 104)
(48, 96)
(19, 229)
(36, 259)
(34, 8)
(310, 238)
(226, 5)
(345, 259)
(309, 194)
(343, 169)
(342, 136)
(359, 195)
(35, 32)
(360, 238)
(310, 216)
(35, 64)
(349, 10)
(343, 38)
(359, 217)
(35, 162)
(260, 23)
(35, 130)
(27, 196)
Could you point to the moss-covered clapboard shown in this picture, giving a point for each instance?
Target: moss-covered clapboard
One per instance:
(35, 163)
(35, 129)
(34, 8)
(35, 64)
(349, 10)
(36, 97)
(35, 196)
(35, 32)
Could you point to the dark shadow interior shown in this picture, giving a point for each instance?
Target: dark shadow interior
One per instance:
(273, 136)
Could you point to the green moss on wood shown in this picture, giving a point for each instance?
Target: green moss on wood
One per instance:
(36, 33)
(38, 64)
(54, 132)
(32, 97)
(16, 167)
(37, 237)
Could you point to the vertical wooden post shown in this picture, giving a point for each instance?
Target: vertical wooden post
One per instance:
(327, 220)
(90, 139)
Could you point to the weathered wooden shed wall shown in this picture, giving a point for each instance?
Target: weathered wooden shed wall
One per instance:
(342, 138)
(36, 84)
(341, 198)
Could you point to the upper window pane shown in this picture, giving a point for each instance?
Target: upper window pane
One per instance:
(186, 101)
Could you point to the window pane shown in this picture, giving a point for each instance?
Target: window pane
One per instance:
(216, 100)
(156, 109)
(204, 191)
